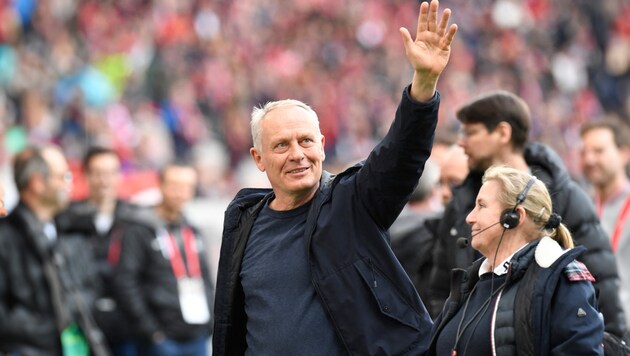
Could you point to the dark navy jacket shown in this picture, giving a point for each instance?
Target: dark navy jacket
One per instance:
(372, 303)
(29, 322)
(561, 308)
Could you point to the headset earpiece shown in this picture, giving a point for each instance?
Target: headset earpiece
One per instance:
(510, 217)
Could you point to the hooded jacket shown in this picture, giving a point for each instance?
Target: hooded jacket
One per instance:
(371, 302)
(569, 201)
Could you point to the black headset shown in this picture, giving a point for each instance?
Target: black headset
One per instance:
(509, 217)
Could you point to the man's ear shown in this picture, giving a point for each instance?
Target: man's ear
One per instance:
(505, 132)
(257, 156)
(624, 153)
(323, 148)
(37, 183)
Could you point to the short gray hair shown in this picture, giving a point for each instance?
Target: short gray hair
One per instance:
(28, 163)
(259, 113)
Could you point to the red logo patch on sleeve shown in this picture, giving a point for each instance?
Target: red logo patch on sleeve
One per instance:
(576, 271)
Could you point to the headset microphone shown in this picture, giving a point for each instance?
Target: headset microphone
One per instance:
(464, 242)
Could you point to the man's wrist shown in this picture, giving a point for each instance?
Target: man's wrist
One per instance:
(427, 102)
(423, 88)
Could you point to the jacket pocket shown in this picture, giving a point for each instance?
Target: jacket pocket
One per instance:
(384, 292)
(370, 314)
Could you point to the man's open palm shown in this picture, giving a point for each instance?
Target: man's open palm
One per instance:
(430, 51)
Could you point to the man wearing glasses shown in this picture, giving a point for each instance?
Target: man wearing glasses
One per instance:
(45, 279)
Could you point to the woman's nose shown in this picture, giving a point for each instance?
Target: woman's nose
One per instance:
(470, 218)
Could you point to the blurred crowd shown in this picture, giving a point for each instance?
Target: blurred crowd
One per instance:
(162, 80)
(166, 78)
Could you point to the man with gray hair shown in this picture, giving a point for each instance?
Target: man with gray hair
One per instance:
(306, 267)
(46, 289)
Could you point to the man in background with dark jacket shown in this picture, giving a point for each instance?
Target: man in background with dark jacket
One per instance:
(101, 218)
(46, 279)
(495, 128)
(162, 278)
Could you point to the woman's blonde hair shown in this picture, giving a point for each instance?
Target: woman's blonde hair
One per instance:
(537, 203)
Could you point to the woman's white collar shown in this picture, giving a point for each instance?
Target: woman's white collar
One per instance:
(548, 251)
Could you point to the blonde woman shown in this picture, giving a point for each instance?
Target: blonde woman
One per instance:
(528, 293)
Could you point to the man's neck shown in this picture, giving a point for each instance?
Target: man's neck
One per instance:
(614, 187)
(284, 202)
(514, 160)
(168, 215)
(104, 206)
(41, 212)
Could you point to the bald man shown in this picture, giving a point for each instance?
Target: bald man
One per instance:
(453, 171)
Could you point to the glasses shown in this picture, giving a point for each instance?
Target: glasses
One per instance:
(67, 177)
(466, 134)
(471, 129)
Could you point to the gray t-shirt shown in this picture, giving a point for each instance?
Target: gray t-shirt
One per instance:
(610, 214)
(284, 314)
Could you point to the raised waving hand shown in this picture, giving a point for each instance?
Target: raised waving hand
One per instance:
(428, 54)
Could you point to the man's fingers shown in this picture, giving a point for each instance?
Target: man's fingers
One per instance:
(450, 36)
(423, 17)
(427, 21)
(446, 15)
(433, 15)
(406, 37)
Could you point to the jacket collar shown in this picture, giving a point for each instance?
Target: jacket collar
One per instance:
(544, 251)
(26, 220)
(548, 251)
(502, 268)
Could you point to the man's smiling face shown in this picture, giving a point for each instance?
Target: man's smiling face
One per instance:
(291, 153)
